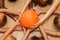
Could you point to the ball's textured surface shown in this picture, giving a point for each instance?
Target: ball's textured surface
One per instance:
(29, 18)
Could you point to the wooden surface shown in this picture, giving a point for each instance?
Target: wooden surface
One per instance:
(14, 6)
(1, 3)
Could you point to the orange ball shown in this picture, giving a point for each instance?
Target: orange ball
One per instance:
(29, 18)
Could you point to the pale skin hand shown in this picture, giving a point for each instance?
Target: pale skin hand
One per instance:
(14, 26)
